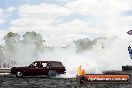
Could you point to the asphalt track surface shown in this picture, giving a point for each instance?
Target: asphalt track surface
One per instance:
(10, 81)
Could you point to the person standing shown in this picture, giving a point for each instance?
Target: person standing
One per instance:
(130, 51)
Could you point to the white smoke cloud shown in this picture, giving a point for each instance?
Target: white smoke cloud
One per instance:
(112, 56)
(99, 19)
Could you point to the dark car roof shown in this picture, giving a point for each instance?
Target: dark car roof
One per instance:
(47, 61)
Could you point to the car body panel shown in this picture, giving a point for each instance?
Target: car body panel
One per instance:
(40, 70)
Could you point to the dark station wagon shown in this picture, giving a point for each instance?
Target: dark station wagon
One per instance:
(48, 68)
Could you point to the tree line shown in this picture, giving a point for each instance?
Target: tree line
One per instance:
(14, 42)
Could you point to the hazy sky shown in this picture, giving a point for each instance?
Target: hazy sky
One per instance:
(61, 21)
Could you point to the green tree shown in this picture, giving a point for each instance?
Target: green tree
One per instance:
(10, 39)
(35, 38)
(83, 44)
(1, 54)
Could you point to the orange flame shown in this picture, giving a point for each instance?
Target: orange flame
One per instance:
(81, 72)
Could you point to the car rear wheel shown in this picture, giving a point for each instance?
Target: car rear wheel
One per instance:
(52, 74)
(19, 74)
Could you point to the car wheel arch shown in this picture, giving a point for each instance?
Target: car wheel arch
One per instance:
(52, 73)
(19, 73)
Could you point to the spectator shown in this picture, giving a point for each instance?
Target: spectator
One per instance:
(4, 65)
(130, 51)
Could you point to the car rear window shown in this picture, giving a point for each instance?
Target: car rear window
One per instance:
(56, 64)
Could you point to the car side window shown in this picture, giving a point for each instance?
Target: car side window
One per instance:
(44, 64)
(48, 65)
(56, 64)
(36, 64)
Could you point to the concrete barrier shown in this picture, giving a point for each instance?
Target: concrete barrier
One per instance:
(4, 70)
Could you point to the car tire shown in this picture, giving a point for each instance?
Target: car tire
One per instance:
(19, 74)
(52, 74)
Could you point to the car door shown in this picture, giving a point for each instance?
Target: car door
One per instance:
(43, 68)
(40, 68)
(32, 69)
